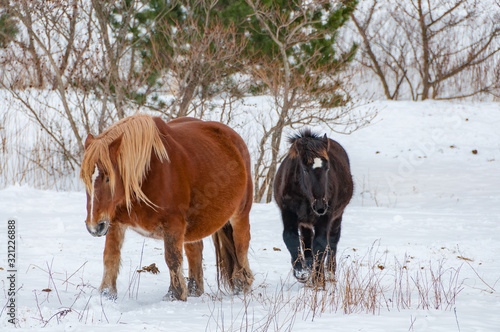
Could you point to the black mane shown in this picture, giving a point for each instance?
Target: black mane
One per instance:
(307, 145)
(303, 133)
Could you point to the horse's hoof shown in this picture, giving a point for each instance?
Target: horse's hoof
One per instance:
(193, 288)
(317, 280)
(238, 287)
(169, 297)
(242, 282)
(173, 296)
(330, 276)
(109, 295)
(302, 275)
(194, 293)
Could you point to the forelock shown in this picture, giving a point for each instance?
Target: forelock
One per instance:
(308, 148)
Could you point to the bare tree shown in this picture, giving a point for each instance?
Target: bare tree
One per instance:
(390, 63)
(116, 48)
(50, 17)
(434, 47)
(58, 39)
(197, 54)
(304, 89)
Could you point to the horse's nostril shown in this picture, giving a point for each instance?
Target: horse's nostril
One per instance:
(100, 229)
(320, 206)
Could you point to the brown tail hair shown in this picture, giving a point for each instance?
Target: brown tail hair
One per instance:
(225, 255)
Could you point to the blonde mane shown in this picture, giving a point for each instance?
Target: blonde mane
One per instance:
(140, 137)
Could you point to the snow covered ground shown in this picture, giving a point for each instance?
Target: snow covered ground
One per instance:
(425, 218)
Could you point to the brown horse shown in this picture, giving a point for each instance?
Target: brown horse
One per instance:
(178, 181)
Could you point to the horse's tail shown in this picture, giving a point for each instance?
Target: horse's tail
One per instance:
(225, 255)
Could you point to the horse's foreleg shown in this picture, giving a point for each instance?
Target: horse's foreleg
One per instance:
(292, 242)
(194, 254)
(111, 259)
(333, 240)
(307, 238)
(173, 257)
(320, 244)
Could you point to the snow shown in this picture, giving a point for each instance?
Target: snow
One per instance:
(422, 199)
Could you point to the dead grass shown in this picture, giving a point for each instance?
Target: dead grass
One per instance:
(28, 157)
(366, 284)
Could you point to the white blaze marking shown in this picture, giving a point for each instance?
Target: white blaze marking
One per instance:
(317, 163)
(94, 177)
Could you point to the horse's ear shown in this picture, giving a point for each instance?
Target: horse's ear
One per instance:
(327, 141)
(114, 149)
(89, 140)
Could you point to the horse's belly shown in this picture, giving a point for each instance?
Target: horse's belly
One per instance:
(209, 220)
(146, 233)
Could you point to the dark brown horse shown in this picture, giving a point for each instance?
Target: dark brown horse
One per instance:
(178, 181)
(313, 185)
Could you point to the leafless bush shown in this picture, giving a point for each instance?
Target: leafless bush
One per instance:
(199, 61)
(68, 77)
(71, 71)
(431, 49)
(303, 90)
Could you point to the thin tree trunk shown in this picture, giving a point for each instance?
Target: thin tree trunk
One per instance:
(114, 53)
(275, 146)
(61, 88)
(260, 188)
(373, 58)
(426, 84)
(187, 97)
(71, 39)
(28, 22)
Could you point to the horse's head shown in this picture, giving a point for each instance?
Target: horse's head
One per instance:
(105, 190)
(311, 152)
(114, 166)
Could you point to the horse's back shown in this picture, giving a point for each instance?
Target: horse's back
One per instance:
(337, 152)
(192, 134)
(182, 120)
(341, 175)
(339, 160)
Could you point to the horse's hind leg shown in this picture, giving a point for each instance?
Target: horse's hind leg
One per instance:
(242, 275)
(194, 254)
(111, 258)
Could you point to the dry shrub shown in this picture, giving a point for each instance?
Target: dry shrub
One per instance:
(370, 284)
(363, 284)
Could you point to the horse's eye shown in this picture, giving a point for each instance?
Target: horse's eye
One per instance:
(305, 170)
(107, 179)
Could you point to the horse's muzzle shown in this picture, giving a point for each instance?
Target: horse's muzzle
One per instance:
(320, 206)
(100, 229)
